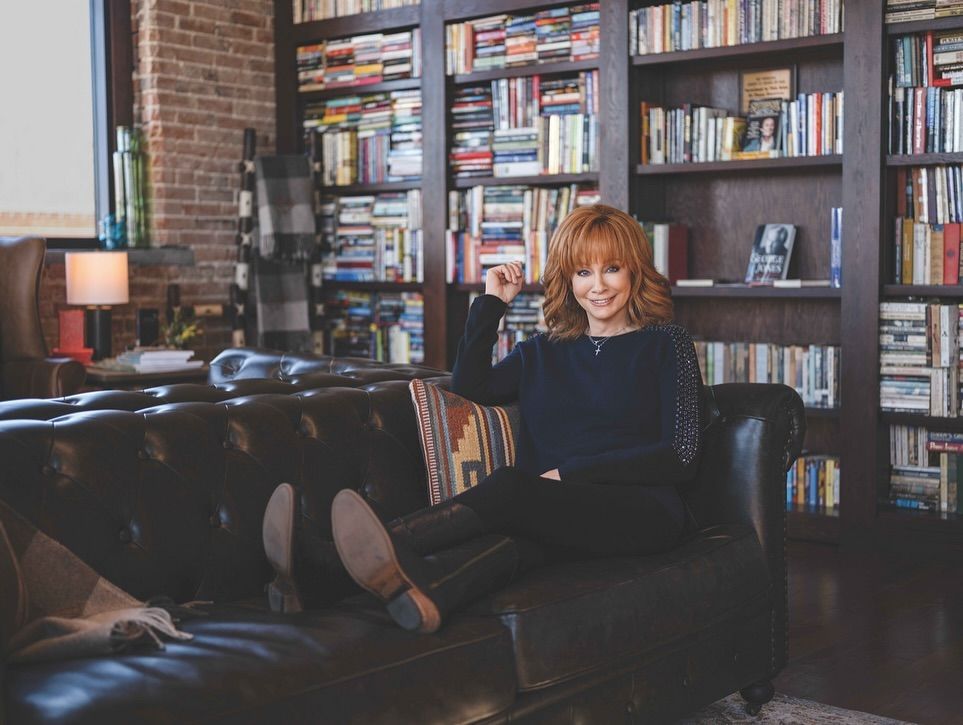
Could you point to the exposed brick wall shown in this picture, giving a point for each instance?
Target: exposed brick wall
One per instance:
(204, 70)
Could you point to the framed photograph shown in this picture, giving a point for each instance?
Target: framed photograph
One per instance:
(770, 254)
(765, 84)
(762, 133)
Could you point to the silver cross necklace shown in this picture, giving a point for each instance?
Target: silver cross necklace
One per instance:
(603, 340)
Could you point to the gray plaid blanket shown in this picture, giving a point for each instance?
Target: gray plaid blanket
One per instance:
(281, 296)
(285, 207)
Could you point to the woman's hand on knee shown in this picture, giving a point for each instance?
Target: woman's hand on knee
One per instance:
(553, 474)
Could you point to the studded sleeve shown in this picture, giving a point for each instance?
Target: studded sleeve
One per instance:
(474, 376)
(674, 456)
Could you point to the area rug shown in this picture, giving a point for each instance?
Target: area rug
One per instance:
(783, 710)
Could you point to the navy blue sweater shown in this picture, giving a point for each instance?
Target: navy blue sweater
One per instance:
(627, 415)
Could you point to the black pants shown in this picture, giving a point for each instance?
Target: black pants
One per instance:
(594, 519)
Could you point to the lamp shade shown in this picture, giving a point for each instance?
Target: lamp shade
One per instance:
(97, 278)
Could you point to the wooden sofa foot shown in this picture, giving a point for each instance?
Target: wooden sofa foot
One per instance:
(757, 695)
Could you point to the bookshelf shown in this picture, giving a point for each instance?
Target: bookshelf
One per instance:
(716, 201)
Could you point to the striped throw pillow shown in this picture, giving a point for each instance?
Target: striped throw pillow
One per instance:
(462, 442)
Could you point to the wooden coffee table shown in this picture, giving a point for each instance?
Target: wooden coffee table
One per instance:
(104, 379)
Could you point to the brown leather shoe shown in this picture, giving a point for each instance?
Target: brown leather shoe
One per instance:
(377, 564)
(280, 522)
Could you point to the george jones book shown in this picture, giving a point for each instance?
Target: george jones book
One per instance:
(771, 252)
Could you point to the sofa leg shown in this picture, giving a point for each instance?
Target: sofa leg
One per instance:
(757, 695)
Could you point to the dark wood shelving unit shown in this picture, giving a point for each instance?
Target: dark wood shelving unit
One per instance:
(374, 286)
(924, 159)
(541, 180)
(346, 189)
(954, 22)
(794, 163)
(746, 291)
(737, 51)
(922, 290)
(721, 202)
(401, 84)
(927, 421)
(483, 76)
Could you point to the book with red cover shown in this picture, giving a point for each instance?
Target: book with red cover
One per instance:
(951, 254)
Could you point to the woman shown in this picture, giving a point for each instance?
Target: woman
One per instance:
(609, 402)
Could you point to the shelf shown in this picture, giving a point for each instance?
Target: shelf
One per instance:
(894, 518)
(528, 69)
(374, 22)
(372, 286)
(807, 523)
(480, 287)
(371, 188)
(541, 180)
(457, 10)
(922, 290)
(401, 84)
(167, 256)
(757, 292)
(927, 421)
(923, 159)
(736, 51)
(817, 412)
(952, 23)
(737, 165)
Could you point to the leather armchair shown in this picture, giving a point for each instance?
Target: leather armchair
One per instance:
(25, 369)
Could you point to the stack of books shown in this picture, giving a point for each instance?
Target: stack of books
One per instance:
(152, 360)
(813, 482)
(472, 125)
(688, 25)
(492, 225)
(368, 139)
(359, 60)
(376, 238)
(386, 326)
(919, 358)
(926, 236)
(499, 41)
(904, 11)
(925, 469)
(306, 11)
(813, 370)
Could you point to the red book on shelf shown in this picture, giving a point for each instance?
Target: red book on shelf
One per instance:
(951, 254)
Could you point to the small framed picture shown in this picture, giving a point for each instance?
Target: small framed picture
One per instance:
(754, 85)
(762, 133)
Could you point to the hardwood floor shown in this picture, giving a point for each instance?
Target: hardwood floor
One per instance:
(878, 632)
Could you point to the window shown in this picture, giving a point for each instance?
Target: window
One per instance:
(54, 123)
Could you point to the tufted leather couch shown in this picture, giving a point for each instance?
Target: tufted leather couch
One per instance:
(168, 499)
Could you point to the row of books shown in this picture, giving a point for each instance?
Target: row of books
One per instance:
(919, 358)
(813, 481)
(305, 11)
(810, 125)
(925, 120)
(385, 326)
(925, 469)
(715, 23)
(926, 253)
(813, 370)
(368, 139)
(359, 60)
(526, 127)
(492, 225)
(670, 248)
(505, 41)
(930, 194)
(928, 59)
(904, 11)
(373, 238)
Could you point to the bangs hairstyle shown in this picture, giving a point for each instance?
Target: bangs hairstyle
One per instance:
(600, 234)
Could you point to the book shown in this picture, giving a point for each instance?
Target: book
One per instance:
(771, 253)
(695, 282)
(799, 283)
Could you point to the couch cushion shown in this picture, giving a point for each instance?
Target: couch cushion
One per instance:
(570, 619)
(347, 664)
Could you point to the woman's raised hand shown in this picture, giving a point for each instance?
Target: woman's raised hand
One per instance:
(505, 281)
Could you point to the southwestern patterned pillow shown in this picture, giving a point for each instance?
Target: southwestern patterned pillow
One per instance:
(462, 442)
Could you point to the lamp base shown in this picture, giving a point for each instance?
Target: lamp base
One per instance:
(97, 332)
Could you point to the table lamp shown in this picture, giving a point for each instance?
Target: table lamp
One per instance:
(97, 280)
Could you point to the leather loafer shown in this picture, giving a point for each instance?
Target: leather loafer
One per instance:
(278, 531)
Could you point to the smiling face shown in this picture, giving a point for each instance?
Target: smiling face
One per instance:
(602, 289)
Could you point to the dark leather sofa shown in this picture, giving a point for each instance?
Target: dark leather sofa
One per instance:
(168, 499)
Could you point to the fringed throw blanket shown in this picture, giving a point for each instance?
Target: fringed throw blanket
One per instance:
(285, 207)
(64, 609)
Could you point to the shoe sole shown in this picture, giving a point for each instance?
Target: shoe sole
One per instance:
(277, 531)
(370, 557)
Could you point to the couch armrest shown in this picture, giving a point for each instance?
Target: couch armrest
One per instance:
(758, 434)
(46, 378)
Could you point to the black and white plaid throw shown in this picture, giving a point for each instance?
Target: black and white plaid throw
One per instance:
(285, 207)
(281, 295)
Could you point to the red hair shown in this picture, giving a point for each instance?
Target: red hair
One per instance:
(600, 234)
